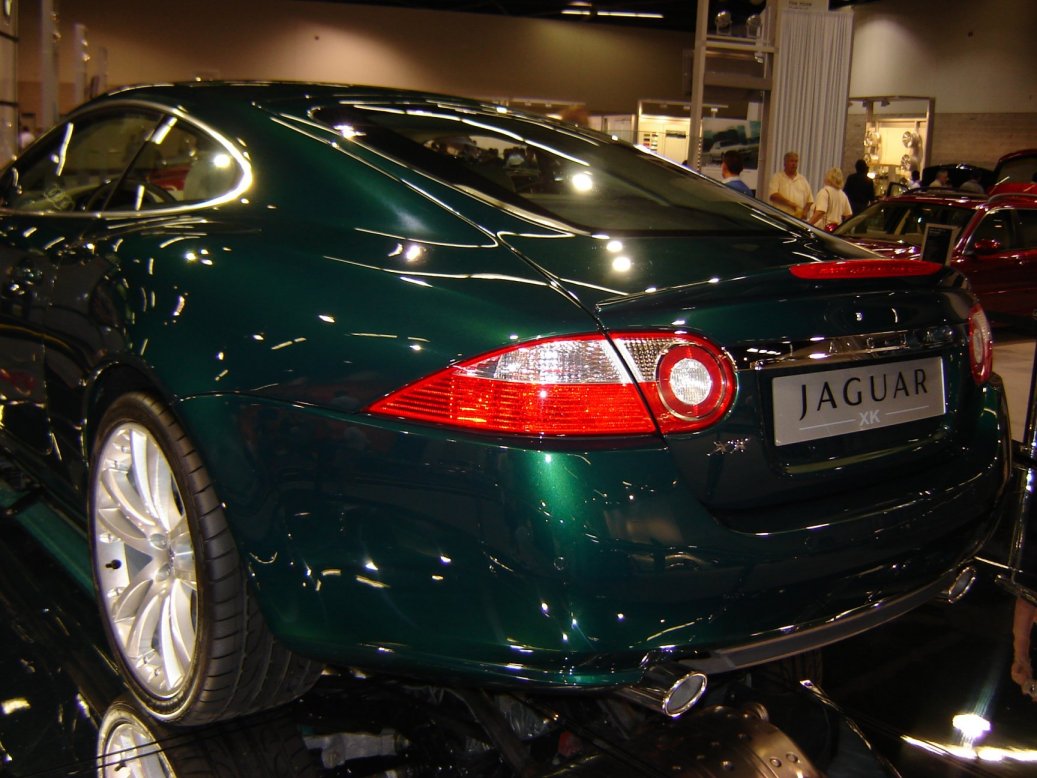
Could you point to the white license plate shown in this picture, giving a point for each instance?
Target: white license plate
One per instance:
(839, 402)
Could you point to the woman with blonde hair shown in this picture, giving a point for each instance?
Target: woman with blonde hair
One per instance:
(831, 206)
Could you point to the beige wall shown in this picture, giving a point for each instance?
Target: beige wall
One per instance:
(976, 59)
(609, 68)
(971, 55)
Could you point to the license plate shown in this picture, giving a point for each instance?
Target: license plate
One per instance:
(840, 402)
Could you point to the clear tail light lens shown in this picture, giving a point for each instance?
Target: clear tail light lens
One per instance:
(575, 386)
(981, 345)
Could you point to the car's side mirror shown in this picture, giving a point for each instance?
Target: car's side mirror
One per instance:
(986, 246)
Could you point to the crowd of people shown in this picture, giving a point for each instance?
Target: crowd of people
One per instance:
(837, 200)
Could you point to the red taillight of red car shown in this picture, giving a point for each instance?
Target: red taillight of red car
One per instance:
(981, 345)
(580, 385)
(863, 268)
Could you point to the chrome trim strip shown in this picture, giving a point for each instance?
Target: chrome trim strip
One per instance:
(844, 626)
(820, 351)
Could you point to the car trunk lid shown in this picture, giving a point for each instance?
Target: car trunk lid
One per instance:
(838, 380)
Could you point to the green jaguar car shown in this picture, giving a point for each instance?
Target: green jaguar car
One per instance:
(341, 376)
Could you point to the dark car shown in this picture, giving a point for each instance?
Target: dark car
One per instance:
(959, 173)
(316, 375)
(995, 241)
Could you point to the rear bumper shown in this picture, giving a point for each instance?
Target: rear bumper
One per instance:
(471, 559)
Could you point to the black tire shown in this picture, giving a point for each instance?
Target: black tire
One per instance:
(226, 663)
(264, 746)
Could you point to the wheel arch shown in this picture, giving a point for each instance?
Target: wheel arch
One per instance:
(108, 384)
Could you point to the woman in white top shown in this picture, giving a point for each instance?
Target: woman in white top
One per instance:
(831, 206)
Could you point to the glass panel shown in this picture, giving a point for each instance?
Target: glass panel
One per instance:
(179, 164)
(574, 175)
(996, 226)
(76, 166)
(903, 222)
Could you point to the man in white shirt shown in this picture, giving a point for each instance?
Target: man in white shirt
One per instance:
(790, 191)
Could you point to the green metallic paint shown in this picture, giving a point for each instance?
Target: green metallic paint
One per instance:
(383, 544)
(268, 324)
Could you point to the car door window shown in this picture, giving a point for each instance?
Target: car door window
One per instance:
(77, 167)
(178, 164)
(1027, 228)
(997, 225)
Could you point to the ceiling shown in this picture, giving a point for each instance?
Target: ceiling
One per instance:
(676, 15)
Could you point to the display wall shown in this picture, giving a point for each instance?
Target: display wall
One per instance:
(606, 68)
(977, 60)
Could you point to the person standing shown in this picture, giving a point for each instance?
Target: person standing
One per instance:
(790, 191)
(832, 206)
(972, 184)
(730, 169)
(860, 190)
(25, 137)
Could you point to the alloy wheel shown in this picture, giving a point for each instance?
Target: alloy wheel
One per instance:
(145, 559)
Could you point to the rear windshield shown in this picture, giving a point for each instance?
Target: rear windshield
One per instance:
(902, 222)
(1022, 170)
(572, 175)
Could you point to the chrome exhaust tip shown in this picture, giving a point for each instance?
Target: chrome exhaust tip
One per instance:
(960, 586)
(670, 688)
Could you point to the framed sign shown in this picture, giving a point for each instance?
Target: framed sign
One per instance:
(938, 243)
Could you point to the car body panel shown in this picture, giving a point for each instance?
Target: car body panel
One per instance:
(270, 317)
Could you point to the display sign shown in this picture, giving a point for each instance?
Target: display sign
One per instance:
(806, 5)
(938, 243)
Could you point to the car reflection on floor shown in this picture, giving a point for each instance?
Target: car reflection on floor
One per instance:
(931, 690)
(64, 712)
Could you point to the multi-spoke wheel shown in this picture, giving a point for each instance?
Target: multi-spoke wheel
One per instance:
(132, 745)
(179, 614)
(145, 559)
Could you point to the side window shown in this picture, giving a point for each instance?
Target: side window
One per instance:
(1028, 225)
(79, 164)
(179, 164)
(996, 225)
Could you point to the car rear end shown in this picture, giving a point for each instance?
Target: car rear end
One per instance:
(833, 448)
(760, 439)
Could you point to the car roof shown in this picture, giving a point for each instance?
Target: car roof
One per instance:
(976, 202)
(267, 92)
(942, 196)
(1016, 154)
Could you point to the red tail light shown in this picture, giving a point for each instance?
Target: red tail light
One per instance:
(981, 345)
(863, 268)
(581, 385)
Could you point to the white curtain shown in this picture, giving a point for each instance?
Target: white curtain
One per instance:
(811, 86)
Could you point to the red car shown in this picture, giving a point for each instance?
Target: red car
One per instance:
(995, 245)
(1016, 172)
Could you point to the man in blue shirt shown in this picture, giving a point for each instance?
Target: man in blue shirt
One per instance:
(730, 168)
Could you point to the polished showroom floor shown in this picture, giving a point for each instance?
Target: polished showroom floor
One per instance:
(907, 686)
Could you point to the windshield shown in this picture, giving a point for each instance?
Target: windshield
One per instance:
(902, 222)
(572, 175)
(1022, 170)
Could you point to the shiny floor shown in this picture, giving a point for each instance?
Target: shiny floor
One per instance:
(931, 693)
